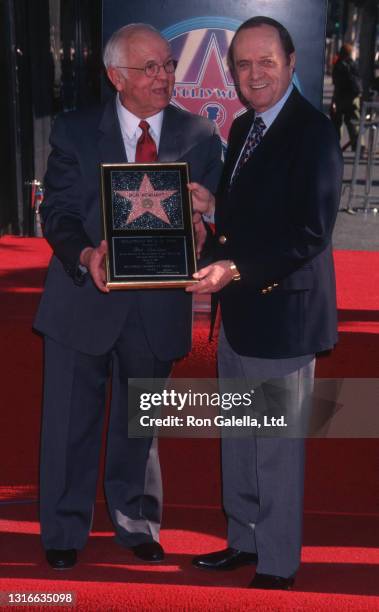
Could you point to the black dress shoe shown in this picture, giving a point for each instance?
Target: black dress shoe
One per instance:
(149, 551)
(61, 559)
(226, 559)
(266, 581)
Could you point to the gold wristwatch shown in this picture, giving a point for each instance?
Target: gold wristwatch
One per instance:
(236, 274)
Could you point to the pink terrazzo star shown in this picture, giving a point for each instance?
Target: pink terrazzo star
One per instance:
(146, 199)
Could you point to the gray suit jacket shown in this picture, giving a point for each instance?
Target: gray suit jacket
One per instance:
(81, 316)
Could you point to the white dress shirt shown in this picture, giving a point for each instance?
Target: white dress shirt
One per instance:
(131, 132)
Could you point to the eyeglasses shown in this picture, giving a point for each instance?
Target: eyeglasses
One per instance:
(151, 69)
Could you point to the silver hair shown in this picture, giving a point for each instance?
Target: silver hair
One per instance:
(112, 55)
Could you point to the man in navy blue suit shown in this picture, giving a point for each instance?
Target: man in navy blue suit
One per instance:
(276, 206)
(88, 330)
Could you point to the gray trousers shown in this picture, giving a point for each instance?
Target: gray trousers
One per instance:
(75, 386)
(263, 477)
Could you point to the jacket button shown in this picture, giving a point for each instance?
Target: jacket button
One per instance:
(264, 291)
(222, 239)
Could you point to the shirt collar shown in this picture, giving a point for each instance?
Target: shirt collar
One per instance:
(129, 122)
(271, 114)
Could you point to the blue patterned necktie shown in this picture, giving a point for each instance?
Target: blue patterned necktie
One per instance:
(252, 141)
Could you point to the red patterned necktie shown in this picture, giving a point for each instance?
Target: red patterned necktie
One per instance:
(146, 150)
(252, 141)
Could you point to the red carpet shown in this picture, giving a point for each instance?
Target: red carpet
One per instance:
(340, 558)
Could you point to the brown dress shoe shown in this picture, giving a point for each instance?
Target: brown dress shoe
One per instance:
(226, 559)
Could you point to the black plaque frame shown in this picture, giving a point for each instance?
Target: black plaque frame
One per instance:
(154, 250)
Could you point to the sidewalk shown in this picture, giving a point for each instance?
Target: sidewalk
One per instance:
(359, 231)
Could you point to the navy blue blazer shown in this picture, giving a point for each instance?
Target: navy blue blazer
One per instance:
(81, 316)
(278, 217)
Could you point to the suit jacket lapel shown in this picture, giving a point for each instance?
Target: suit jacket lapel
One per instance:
(275, 139)
(235, 145)
(236, 141)
(170, 141)
(111, 147)
(277, 136)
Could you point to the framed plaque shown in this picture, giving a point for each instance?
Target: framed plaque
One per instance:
(147, 221)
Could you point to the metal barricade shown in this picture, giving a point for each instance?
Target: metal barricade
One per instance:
(368, 131)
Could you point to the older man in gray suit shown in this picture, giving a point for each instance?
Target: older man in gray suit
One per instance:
(88, 329)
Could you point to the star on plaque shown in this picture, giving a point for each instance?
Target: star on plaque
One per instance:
(147, 200)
